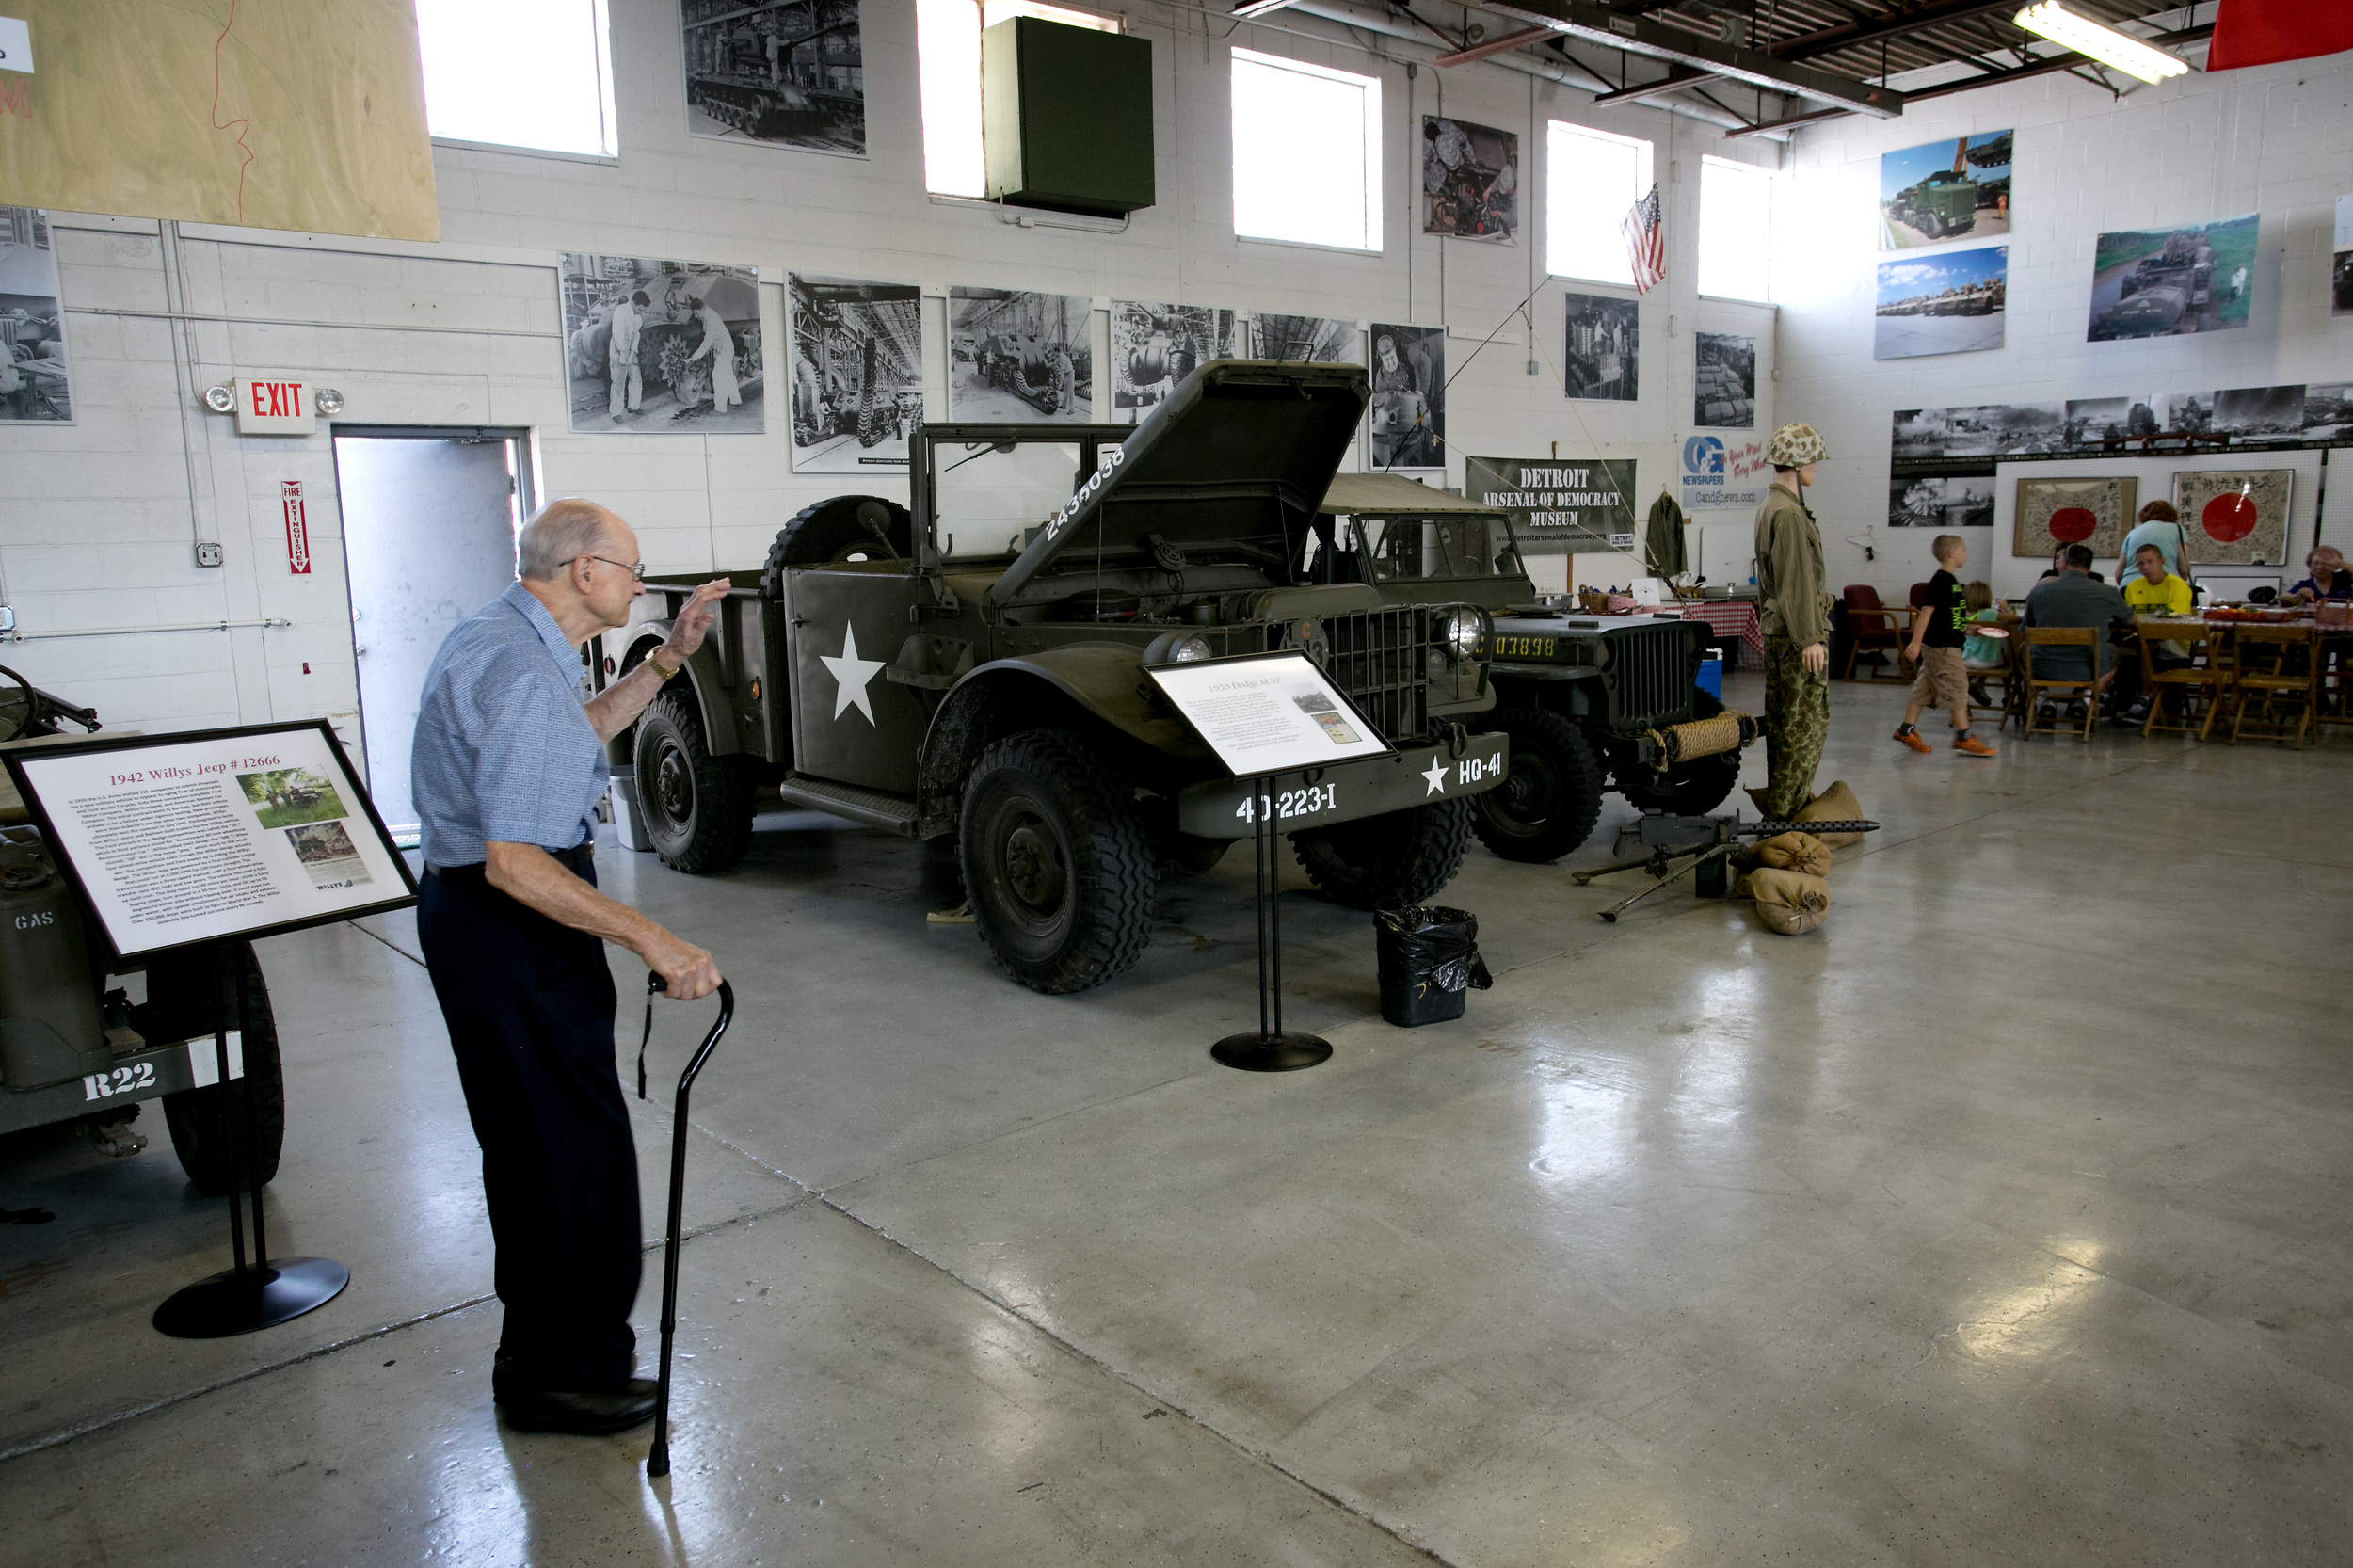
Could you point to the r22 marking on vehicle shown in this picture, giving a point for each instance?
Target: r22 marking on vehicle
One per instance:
(1312, 801)
(1478, 770)
(121, 1080)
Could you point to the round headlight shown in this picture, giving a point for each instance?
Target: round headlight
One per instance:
(1462, 630)
(1188, 651)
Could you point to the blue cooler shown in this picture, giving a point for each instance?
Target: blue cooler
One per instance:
(1712, 676)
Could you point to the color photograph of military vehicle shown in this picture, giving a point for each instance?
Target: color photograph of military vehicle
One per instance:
(786, 72)
(1946, 190)
(1953, 303)
(970, 666)
(2148, 283)
(75, 1046)
(1591, 702)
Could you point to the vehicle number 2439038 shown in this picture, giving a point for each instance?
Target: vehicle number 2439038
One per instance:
(1284, 804)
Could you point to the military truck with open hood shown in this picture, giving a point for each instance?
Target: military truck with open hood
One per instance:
(973, 665)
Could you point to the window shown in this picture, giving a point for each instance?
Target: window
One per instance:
(1306, 153)
(948, 67)
(518, 74)
(1735, 228)
(1591, 179)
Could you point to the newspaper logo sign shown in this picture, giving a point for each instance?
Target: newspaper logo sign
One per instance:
(1723, 475)
(297, 527)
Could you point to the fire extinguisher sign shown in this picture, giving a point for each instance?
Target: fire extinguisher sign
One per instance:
(297, 527)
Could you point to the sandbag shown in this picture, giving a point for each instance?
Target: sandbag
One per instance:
(1791, 902)
(1795, 851)
(1835, 804)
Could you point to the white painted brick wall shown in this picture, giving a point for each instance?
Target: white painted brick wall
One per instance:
(2278, 141)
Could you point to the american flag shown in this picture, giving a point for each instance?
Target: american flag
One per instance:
(1644, 249)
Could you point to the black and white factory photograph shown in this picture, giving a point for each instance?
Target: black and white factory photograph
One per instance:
(658, 348)
(857, 373)
(1424, 807)
(1014, 354)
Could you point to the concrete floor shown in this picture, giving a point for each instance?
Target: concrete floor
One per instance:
(2002, 1221)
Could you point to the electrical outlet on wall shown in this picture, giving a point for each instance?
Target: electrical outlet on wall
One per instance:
(208, 553)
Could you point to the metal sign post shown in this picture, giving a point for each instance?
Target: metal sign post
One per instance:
(1272, 1049)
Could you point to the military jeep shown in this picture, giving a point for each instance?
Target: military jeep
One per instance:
(973, 666)
(1584, 698)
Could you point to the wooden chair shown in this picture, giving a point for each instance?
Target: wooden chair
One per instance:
(2278, 671)
(2206, 684)
(1873, 627)
(2034, 688)
(2014, 680)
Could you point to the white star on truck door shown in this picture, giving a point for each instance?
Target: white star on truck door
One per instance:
(851, 674)
(1436, 777)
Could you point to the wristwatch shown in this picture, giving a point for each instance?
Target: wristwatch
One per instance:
(654, 659)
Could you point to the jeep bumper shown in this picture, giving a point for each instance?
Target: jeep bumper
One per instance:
(1315, 797)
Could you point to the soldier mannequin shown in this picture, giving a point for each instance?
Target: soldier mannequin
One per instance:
(1793, 608)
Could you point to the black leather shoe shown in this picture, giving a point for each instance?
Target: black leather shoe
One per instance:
(597, 1414)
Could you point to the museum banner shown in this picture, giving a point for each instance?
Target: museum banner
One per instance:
(1559, 506)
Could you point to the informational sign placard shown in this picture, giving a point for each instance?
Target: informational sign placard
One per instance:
(1559, 506)
(176, 839)
(1268, 713)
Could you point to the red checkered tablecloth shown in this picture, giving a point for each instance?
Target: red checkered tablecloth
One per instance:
(1733, 618)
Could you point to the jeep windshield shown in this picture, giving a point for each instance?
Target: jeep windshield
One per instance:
(989, 495)
(1414, 550)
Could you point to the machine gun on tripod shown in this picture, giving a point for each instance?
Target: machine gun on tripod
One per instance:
(1706, 843)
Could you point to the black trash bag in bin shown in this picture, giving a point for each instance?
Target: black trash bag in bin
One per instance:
(1429, 960)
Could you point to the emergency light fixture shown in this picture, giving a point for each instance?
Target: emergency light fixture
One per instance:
(2104, 43)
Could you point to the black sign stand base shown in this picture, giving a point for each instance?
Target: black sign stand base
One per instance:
(1271, 1049)
(263, 1293)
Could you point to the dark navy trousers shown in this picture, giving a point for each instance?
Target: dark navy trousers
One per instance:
(530, 1008)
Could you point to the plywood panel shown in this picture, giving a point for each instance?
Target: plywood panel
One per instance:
(277, 114)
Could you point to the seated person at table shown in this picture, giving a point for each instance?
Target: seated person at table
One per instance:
(2327, 578)
(2058, 565)
(2159, 525)
(2075, 598)
(1981, 656)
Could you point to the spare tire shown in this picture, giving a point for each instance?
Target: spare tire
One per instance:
(837, 530)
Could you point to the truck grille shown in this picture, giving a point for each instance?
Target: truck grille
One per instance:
(1650, 673)
(1381, 660)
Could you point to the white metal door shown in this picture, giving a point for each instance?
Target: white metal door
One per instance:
(430, 522)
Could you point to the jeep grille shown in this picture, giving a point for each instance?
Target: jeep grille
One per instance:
(1650, 673)
(1381, 660)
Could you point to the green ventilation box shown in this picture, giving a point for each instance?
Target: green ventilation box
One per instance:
(1067, 116)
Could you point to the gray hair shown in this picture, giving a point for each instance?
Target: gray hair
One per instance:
(562, 532)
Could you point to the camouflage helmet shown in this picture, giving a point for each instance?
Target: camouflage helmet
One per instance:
(1796, 445)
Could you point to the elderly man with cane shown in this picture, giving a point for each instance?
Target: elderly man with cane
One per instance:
(507, 768)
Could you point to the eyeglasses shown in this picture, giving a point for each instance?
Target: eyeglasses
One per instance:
(637, 571)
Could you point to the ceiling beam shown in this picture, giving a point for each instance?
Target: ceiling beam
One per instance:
(1893, 25)
(1594, 23)
(1679, 77)
(1520, 39)
(2068, 61)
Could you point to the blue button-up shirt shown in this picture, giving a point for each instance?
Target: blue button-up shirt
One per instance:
(505, 750)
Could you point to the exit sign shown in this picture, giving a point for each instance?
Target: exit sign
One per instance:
(274, 408)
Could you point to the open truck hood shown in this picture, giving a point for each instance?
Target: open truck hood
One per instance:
(1237, 455)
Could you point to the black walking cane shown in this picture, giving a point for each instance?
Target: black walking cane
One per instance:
(658, 1458)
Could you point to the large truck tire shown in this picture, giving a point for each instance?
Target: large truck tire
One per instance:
(184, 1004)
(697, 808)
(836, 530)
(1692, 789)
(1391, 861)
(1059, 868)
(1547, 804)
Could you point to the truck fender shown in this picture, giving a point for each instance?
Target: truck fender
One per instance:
(722, 723)
(1104, 681)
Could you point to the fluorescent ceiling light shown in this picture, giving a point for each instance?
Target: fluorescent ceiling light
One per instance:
(1258, 7)
(2104, 43)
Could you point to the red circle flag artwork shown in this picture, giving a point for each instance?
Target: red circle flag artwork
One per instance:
(2228, 518)
(2072, 524)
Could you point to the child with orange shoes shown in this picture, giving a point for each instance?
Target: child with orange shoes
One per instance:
(1937, 630)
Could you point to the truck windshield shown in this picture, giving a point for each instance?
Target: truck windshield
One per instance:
(1408, 550)
(987, 498)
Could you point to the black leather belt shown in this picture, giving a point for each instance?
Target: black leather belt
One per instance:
(578, 858)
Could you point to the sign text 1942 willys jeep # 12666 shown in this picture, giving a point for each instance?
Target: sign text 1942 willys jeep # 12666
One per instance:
(975, 667)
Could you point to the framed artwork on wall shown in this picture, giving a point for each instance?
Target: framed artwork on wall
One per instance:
(2053, 512)
(2235, 519)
